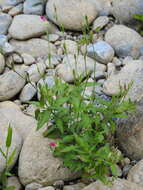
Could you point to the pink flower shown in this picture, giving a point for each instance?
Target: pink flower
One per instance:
(52, 144)
(43, 18)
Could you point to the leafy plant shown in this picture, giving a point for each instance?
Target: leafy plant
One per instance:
(8, 160)
(82, 127)
(139, 26)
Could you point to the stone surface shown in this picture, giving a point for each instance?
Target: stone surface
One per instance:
(130, 73)
(16, 141)
(22, 123)
(2, 63)
(124, 10)
(80, 66)
(78, 186)
(36, 47)
(5, 47)
(33, 186)
(34, 7)
(103, 6)
(101, 51)
(16, 10)
(5, 21)
(14, 181)
(44, 169)
(130, 133)
(10, 84)
(35, 71)
(119, 184)
(69, 47)
(136, 173)
(124, 40)
(28, 59)
(27, 26)
(28, 92)
(100, 22)
(71, 14)
(47, 188)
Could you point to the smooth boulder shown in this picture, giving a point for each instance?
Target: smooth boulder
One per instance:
(71, 14)
(124, 40)
(38, 165)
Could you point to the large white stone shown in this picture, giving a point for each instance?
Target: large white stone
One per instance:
(37, 164)
(28, 26)
(125, 41)
(36, 47)
(71, 14)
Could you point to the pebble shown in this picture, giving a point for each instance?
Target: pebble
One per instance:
(101, 51)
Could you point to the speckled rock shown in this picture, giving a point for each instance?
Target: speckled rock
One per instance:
(119, 184)
(130, 73)
(101, 51)
(10, 84)
(71, 14)
(27, 26)
(124, 40)
(136, 173)
(34, 7)
(78, 65)
(22, 123)
(2, 63)
(124, 10)
(44, 169)
(5, 21)
(36, 47)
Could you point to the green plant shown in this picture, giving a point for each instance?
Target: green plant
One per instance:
(82, 127)
(139, 26)
(8, 159)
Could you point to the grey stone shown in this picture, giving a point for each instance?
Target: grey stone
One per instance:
(5, 21)
(124, 10)
(2, 63)
(63, 12)
(44, 169)
(36, 47)
(47, 188)
(5, 47)
(124, 40)
(101, 51)
(130, 73)
(22, 123)
(28, 92)
(136, 173)
(78, 186)
(27, 26)
(33, 186)
(10, 84)
(16, 10)
(100, 22)
(14, 181)
(34, 7)
(36, 71)
(118, 184)
(72, 68)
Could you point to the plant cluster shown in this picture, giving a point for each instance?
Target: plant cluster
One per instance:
(82, 127)
(8, 160)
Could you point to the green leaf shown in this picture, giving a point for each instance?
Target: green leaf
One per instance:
(43, 119)
(114, 170)
(9, 188)
(11, 157)
(4, 155)
(69, 149)
(9, 137)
